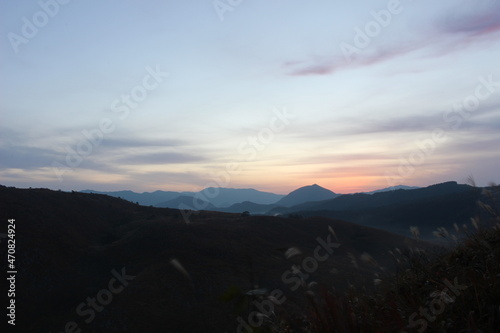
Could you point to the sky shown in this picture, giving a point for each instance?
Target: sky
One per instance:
(273, 95)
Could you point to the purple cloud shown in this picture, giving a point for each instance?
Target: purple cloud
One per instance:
(483, 22)
(448, 34)
(325, 65)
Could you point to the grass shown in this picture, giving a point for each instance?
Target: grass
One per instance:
(456, 290)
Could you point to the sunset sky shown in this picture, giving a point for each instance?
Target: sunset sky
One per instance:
(273, 95)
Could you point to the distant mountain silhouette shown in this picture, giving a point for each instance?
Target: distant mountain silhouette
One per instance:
(183, 202)
(225, 197)
(305, 198)
(435, 206)
(233, 200)
(145, 199)
(306, 194)
(362, 200)
(393, 209)
(393, 188)
(218, 197)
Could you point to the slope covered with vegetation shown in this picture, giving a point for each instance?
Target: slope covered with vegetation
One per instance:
(455, 290)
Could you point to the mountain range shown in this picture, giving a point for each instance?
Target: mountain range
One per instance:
(226, 197)
(199, 274)
(216, 196)
(173, 276)
(394, 209)
(441, 205)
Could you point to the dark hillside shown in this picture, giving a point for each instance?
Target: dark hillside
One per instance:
(68, 245)
(365, 201)
(428, 214)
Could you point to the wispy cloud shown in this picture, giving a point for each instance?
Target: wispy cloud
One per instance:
(479, 20)
(159, 158)
(483, 121)
(329, 65)
(445, 34)
(117, 143)
(182, 179)
(25, 157)
(17, 151)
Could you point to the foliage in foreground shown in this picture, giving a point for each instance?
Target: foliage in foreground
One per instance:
(455, 291)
